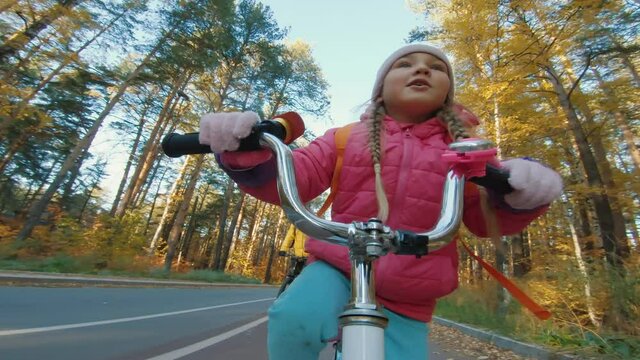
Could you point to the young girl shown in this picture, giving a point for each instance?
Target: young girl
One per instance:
(391, 170)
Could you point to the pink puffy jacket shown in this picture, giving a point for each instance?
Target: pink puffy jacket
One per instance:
(413, 178)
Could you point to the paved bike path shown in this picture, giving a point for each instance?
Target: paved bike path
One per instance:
(245, 345)
(237, 345)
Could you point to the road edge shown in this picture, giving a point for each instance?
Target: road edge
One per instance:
(518, 347)
(31, 277)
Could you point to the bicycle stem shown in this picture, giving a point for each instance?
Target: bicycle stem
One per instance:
(363, 309)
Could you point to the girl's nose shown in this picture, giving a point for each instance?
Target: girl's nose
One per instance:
(423, 68)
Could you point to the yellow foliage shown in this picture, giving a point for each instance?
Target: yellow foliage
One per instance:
(7, 231)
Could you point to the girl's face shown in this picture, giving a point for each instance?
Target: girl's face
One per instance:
(415, 87)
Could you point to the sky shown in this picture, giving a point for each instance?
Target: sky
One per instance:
(350, 39)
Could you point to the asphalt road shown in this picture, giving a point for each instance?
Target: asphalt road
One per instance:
(137, 323)
(68, 316)
(120, 323)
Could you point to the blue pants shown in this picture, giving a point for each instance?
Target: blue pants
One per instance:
(305, 317)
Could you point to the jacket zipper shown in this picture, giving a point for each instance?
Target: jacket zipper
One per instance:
(403, 177)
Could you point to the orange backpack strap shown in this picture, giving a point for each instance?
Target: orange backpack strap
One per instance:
(341, 137)
(525, 300)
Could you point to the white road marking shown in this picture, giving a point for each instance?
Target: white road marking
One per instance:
(178, 353)
(115, 321)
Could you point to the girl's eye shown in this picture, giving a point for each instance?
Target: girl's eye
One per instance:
(438, 67)
(403, 64)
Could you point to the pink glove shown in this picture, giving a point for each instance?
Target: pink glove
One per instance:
(223, 132)
(534, 184)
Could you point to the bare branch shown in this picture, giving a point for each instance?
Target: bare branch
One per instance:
(584, 71)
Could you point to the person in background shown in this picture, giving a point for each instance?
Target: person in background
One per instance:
(293, 245)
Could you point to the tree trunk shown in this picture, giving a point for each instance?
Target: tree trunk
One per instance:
(521, 254)
(151, 148)
(582, 267)
(477, 268)
(251, 220)
(272, 249)
(217, 264)
(502, 296)
(253, 233)
(206, 252)
(138, 200)
(183, 210)
(86, 202)
(611, 240)
(235, 237)
(267, 271)
(146, 162)
(622, 122)
(35, 212)
(74, 172)
(188, 235)
(235, 214)
(614, 244)
(172, 201)
(600, 154)
(132, 156)
(632, 69)
(30, 198)
(264, 237)
(153, 203)
(583, 225)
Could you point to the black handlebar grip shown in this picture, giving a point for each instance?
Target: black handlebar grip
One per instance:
(176, 145)
(496, 180)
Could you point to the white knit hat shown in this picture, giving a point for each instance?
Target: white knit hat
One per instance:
(406, 50)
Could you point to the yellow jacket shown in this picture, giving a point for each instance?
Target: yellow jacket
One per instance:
(295, 239)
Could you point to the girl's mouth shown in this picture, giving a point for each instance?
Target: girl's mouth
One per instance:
(419, 83)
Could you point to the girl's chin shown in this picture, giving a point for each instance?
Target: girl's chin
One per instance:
(422, 107)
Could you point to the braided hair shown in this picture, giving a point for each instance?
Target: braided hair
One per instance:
(456, 129)
(375, 133)
(377, 112)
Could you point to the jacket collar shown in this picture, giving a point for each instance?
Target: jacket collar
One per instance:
(423, 130)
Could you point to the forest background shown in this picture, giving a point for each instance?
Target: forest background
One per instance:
(554, 79)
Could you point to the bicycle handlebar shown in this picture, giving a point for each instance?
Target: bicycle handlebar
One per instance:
(398, 241)
(403, 242)
(176, 145)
